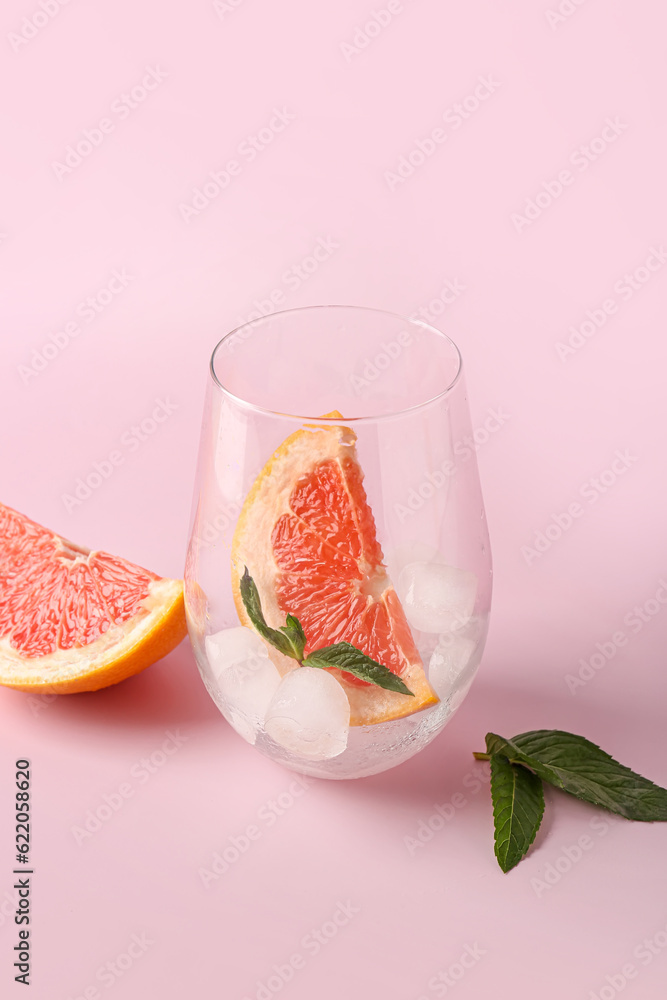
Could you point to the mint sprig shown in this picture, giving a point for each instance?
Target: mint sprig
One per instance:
(581, 768)
(569, 762)
(291, 640)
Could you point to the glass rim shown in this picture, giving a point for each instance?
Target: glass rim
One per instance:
(239, 400)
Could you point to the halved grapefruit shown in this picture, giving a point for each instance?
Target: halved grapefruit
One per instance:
(307, 535)
(73, 620)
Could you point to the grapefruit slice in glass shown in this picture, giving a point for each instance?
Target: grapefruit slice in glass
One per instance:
(307, 535)
(74, 620)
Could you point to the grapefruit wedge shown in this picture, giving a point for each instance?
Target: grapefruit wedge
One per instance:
(307, 535)
(73, 620)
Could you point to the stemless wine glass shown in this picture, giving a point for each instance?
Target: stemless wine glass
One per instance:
(338, 578)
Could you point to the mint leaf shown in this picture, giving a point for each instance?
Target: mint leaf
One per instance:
(288, 639)
(347, 657)
(581, 768)
(296, 636)
(518, 807)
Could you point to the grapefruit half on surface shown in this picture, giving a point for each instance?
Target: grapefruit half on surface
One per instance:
(74, 620)
(307, 535)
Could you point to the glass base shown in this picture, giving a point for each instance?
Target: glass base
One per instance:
(370, 749)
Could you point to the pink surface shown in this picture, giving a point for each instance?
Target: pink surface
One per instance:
(394, 187)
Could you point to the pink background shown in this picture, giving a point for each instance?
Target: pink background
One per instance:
(552, 85)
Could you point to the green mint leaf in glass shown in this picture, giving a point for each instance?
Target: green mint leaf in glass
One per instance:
(518, 807)
(288, 639)
(296, 636)
(581, 768)
(347, 657)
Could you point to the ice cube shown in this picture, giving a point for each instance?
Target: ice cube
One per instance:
(309, 714)
(449, 663)
(397, 558)
(246, 679)
(436, 597)
(233, 646)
